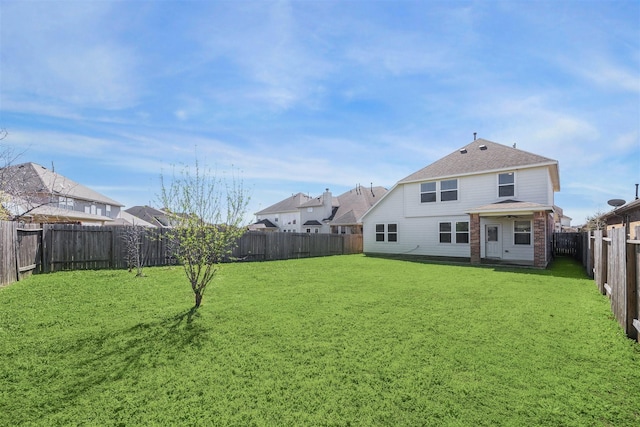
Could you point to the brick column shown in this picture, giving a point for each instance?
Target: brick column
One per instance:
(539, 240)
(474, 238)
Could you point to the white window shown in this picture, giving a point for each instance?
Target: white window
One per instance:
(391, 234)
(461, 232)
(449, 190)
(427, 192)
(522, 232)
(108, 210)
(445, 232)
(94, 209)
(65, 202)
(506, 184)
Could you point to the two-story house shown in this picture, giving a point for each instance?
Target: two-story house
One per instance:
(36, 194)
(485, 202)
(323, 214)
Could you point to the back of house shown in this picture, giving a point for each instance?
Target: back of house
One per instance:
(485, 202)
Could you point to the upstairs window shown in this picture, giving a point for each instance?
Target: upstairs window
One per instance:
(506, 184)
(65, 202)
(449, 190)
(428, 192)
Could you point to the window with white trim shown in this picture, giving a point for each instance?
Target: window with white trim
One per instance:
(428, 192)
(462, 232)
(65, 202)
(506, 184)
(387, 232)
(522, 232)
(449, 190)
(392, 232)
(445, 232)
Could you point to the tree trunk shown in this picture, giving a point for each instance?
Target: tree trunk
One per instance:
(198, 299)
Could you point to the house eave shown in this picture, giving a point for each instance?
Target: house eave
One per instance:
(555, 180)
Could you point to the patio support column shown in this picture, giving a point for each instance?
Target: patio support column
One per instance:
(474, 238)
(539, 239)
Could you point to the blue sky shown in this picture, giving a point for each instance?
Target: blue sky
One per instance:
(304, 95)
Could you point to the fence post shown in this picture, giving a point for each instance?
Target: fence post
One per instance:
(631, 278)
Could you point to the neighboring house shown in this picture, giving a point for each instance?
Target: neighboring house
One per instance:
(485, 202)
(561, 222)
(322, 214)
(155, 217)
(34, 193)
(351, 206)
(126, 219)
(282, 216)
(627, 215)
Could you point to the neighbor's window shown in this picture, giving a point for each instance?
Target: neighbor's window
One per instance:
(65, 202)
(427, 192)
(522, 232)
(392, 232)
(449, 190)
(506, 184)
(379, 232)
(462, 232)
(445, 232)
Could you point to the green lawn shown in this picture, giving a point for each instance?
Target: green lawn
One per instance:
(348, 340)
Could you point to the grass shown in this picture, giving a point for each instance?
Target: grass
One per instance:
(347, 340)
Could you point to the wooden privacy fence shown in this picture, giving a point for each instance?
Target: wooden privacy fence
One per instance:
(56, 247)
(616, 271)
(20, 251)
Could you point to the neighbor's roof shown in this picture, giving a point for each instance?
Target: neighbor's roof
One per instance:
(355, 202)
(319, 201)
(153, 216)
(34, 178)
(483, 156)
(290, 204)
(125, 218)
(265, 223)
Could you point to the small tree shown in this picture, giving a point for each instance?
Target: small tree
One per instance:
(133, 238)
(596, 222)
(206, 215)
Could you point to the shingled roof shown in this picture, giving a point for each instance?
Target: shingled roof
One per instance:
(290, 204)
(355, 202)
(483, 156)
(34, 178)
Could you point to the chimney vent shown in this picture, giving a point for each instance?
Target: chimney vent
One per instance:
(637, 191)
(474, 135)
